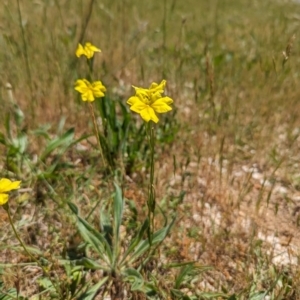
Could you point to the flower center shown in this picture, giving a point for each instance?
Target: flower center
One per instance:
(146, 99)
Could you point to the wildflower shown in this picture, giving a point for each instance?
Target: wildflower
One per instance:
(6, 186)
(89, 91)
(88, 50)
(148, 101)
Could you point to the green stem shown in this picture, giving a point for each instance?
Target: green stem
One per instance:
(6, 207)
(97, 134)
(151, 192)
(90, 63)
(92, 112)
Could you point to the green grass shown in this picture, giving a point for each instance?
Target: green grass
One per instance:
(226, 157)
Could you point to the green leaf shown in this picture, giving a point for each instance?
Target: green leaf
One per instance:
(180, 264)
(181, 276)
(136, 239)
(212, 295)
(91, 264)
(7, 126)
(177, 293)
(92, 292)
(124, 127)
(144, 245)
(46, 284)
(106, 148)
(106, 226)
(43, 131)
(137, 282)
(92, 236)
(8, 294)
(180, 295)
(135, 278)
(112, 114)
(190, 269)
(64, 140)
(20, 142)
(95, 239)
(18, 115)
(61, 125)
(258, 296)
(2, 139)
(73, 207)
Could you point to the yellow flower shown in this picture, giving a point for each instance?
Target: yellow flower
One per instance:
(88, 50)
(148, 101)
(6, 186)
(89, 91)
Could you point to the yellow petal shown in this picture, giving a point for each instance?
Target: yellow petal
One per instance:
(89, 54)
(90, 50)
(3, 199)
(148, 101)
(132, 100)
(148, 114)
(91, 47)
(140, 89)
(143, 94)
(81, 82)
(97, 85)
(83, 86)
(155, 96)
(167, 100)
(98, 94)
(81, 89)
(80, 51)
(98, 89)
(160, 106)
(138, 106)
(7, 185)
(154, 87)
(88, 96)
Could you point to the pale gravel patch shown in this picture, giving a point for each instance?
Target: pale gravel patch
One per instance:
(211, 215)
(281, 255)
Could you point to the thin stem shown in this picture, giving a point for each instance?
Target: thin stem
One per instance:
(151, 193)
(86, 21)
(164, 26)
(90, 63)
(6, 207)
(27, 61)
(84, 26)
(164, 31)
(92, 112)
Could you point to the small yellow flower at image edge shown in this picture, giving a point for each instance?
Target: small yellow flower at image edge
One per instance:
(87, 50)
(89, 91)
(7, 185)
(147, 102)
